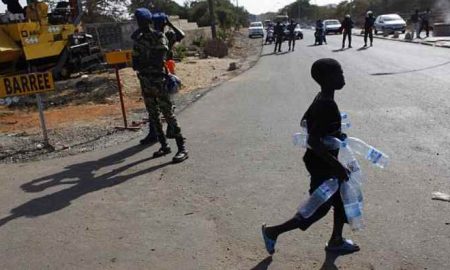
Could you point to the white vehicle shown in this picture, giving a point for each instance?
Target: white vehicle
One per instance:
(389, 23)
(256, 29)
(332, 26)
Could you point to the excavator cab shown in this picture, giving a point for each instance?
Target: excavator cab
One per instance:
(43, 40)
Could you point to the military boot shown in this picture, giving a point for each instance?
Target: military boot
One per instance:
(151, 137)
(164, 150)
(182, 153)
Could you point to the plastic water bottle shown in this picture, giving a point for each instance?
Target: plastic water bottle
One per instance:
(345, 123)
(333, 143)
(347, 157)
(370, 153)
(353, 202)
(344, 117)
(350, 190)
(300, 139)
(318, 197)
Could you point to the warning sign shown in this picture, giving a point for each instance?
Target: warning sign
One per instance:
(118, 57)
(26, 84)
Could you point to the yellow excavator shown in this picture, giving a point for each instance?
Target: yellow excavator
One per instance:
(33, 37)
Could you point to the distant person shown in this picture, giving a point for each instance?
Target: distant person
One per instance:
(346, 27)
(269, 34)
(319, 34)
(13, 6)
(368, 28)
(425, 25)
(416, 24)
(322, 119)
(279, 33)
(291, 35)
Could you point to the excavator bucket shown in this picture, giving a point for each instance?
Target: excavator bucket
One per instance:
(9, 51)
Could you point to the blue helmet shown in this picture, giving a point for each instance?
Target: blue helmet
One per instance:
(143, 14)
(159, 20)
(159, 17)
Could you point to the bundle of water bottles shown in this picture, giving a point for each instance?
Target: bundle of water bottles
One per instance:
(350, 190)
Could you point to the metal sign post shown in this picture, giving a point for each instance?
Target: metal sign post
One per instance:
(116, 59)
(42, 119)
(122, 104)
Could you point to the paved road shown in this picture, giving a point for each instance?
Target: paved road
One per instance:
(118, 209)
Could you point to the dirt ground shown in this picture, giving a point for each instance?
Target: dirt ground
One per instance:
(83, 113)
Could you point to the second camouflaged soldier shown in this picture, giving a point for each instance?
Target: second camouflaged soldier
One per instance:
(149, 54)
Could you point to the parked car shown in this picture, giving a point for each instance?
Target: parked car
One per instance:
(389, 23)
(256, 29)
(332, 26)
(297, 31)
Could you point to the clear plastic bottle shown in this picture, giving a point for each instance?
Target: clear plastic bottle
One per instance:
(370, 153)
(300, 139)
(353, 202)
(318, 197)
(345, 123)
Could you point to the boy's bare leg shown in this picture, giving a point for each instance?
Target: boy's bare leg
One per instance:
(338, 225)
(274, 231)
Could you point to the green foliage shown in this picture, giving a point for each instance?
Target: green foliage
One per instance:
(199, 42)
(180, 51)
(223, 34)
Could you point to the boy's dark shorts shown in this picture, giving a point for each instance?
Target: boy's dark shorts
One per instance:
(335, 201)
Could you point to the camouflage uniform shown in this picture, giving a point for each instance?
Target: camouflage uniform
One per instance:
(149, 53)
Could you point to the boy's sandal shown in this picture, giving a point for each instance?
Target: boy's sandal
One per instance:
(269, 243)
(346, 247)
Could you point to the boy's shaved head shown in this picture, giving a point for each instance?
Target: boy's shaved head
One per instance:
(325, 70)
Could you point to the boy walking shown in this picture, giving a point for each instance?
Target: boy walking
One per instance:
(322, 119)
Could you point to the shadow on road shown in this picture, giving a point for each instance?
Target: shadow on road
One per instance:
(409, 71)
(267, 54)
(82, 177)
(264, 264)
(363, 48)
(340, 50)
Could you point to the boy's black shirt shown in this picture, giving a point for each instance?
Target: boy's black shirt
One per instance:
(323, 119)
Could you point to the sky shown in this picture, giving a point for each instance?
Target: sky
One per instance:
(262, 6)
(253, 6)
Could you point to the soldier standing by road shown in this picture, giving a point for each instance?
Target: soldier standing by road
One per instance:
(368, 27)
(279, 33)
(415, 20)
(291, 37)
(346, 27)
(149, 55)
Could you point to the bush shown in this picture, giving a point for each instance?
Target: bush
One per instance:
(180, 51)
(199, 41)
(222, 34)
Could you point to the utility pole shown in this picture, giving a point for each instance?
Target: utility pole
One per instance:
(212, 19)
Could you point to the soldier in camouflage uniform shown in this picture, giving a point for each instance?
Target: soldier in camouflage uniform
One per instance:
(149, 54)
